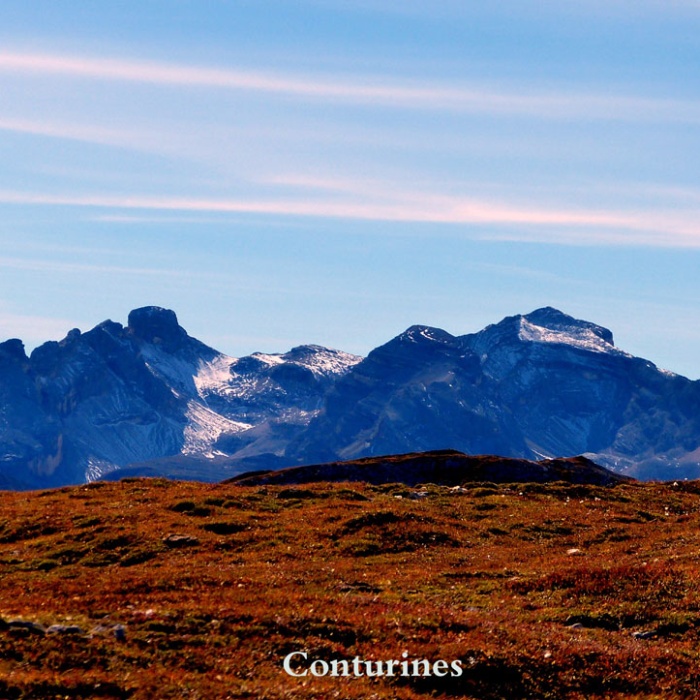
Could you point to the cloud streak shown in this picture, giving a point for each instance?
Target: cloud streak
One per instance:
(74, 132)
(365, 91)
(33, 265)
(658, 228)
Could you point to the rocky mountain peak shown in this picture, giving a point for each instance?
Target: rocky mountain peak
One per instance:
(551, 325)
(71, 337)
(547, 326)
(425, 334)
(14, 348)
(154, 324)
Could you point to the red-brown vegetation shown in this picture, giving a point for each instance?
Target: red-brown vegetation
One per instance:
(174, 589)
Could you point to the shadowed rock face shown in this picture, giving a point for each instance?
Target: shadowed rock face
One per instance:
(422, 390)
(29, 435)
(151, 324)
(13, 349)
(537, 386)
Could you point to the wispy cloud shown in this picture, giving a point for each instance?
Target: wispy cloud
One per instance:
(78, 132)
(656, 227)
(375, 90)
(36, 265)
(454, 9)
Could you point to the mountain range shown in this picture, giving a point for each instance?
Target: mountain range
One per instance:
(148, 399)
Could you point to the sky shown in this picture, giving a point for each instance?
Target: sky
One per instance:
(317, 171)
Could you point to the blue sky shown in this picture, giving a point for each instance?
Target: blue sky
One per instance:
(333, 172)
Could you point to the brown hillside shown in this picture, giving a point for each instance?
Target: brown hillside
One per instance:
(446, 467)
(171, 589)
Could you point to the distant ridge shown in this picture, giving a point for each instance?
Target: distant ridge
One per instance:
(443, 467)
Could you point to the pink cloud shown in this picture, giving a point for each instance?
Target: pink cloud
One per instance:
(553, 225)
(368, 90)
(33, 265)
(85, 133)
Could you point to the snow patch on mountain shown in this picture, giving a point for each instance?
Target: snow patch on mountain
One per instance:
(244, 377)
(582, 337)
(97, 468)
(323, 361)
(204, 427)
(265, 358)
(178, 372)
(211, 376)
